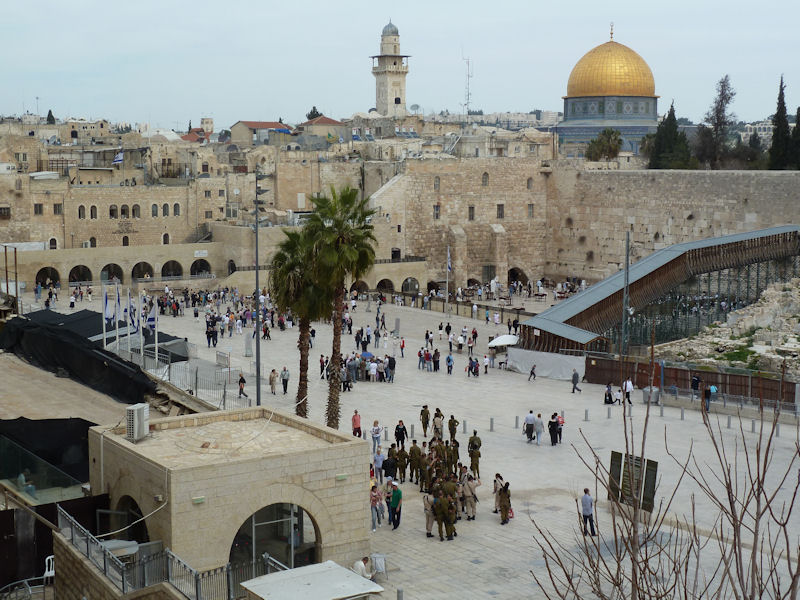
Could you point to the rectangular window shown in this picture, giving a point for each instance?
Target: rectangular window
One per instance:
(58, 209)
(530, 211)
(471, 216)
(38, 209)
(501, 209)
(399, 229)
(5, 212)
(208, 193)
(436, 211)
(209, 214)
(222, 193)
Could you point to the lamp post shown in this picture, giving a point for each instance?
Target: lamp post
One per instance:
(257, 203)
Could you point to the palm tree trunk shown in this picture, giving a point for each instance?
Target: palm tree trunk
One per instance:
(301, 408)
(332, 410)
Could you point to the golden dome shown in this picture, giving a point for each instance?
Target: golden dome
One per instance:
(611, 69)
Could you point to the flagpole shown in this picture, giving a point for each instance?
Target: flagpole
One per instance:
(103, 313)
(447, 286)
(116, 316)
(128, 320)
(155, 305)
(141, 327)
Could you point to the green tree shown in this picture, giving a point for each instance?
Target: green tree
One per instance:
(718, 120)
(344, 239)
(755, 142)
(313, 113)
(606, 145)
(647, 144)
(780, 152)
(670, 146)
(51, 120)
(294, 284)
(190, 126)
(796, 141)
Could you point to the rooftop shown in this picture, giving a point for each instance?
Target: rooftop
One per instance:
(227, 437)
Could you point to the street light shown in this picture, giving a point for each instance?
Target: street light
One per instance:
(257, 203)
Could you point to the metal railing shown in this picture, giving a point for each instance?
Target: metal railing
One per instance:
(735, 401)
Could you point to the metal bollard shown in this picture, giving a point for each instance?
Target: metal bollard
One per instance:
(753, 426)
(516, 422)
(777, 430)
(682, 411)
(609, 412)
(729, 421)
(661, 411)
(412, 431)
(586, 415)
(399, 593)
(491, 424)
(385, 434)
(464, 426)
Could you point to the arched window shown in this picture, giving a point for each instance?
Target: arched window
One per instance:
(125, 241)
(124, 212)
(154, 210)
(92, 242)
(136, 212)
(112, 211)
(81, 212)
(165, 210)
(93, 212)
(165, 239)
(176, 210)
(53, 244)
(436, 183)
(530, 183)
(485, 180)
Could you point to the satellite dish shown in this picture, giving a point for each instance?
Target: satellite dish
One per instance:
(235, 191)
(414, 107)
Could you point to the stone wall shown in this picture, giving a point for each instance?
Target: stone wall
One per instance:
(76, 577)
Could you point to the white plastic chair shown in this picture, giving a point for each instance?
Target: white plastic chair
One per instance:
(49, 568)
(379, 564)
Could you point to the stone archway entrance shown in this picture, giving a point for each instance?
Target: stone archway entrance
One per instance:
(133, 513)
(285, 532)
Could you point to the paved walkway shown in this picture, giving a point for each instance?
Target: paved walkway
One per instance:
(485, 560)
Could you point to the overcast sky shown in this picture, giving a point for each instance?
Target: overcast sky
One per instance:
(169, 61)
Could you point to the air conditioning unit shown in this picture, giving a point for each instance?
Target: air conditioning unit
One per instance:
(86, 244)
(137, 419)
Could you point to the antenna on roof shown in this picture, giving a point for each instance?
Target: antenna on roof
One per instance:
(612, 31)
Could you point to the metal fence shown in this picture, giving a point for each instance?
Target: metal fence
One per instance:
(221, 583)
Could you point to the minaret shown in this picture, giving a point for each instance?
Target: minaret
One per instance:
(390, 70)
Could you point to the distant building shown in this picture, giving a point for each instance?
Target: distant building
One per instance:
(764, 131)
(390, 69)
(250, 133)
(332, 131)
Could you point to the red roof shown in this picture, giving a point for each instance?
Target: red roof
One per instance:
(321, 120)
(196, 135)
(265, 125)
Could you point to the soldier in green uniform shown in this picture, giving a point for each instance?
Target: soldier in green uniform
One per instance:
(504, 500)
(452, 426)
(473, 448)
(402, 462)
(425, 419)
(454, 457)
(414, 455)
(424, 476)
(440, 513)
(450, 523)
(447, 457)
(392, 451)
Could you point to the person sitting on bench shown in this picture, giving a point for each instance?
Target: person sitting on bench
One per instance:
(25, 483)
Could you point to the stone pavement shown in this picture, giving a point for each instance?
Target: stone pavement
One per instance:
(485, 560)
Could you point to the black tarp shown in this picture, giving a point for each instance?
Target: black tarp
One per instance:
(64, 443)
(51, 347)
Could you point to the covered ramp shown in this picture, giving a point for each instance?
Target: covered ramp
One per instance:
(323, 581)
(676, 290)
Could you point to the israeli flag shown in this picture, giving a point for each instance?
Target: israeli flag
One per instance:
(449, 264)
(118, 158)
(132, 316)
(108, 307)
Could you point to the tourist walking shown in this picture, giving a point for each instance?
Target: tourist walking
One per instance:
(375, 506)
(285, 379)
(575, 380)
(587, 510)
(375, 432)
(552, 428)
(356, 422)
(530, 426)
(241, 386)
(532, 373)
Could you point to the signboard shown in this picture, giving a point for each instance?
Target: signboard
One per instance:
(200, 253)
(625, 478)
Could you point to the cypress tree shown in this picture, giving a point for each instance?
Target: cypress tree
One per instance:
(780, 151)
(670, 146)
(796, 141)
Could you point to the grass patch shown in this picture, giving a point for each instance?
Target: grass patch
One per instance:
(739, 355)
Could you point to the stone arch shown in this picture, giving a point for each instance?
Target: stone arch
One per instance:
(529, 183)
(112, 212)
(136, 211)
(517, 274)
(93, 212)
(81, 212)
(53, 244)
(473, 282)
(154, 210)
(436, 183)
(92, 242)
(199, 267)
(172, 268)
(126, 241)
(124, 212)
(410, 285)
(45, 273)
(433, 285)
(137, 532)
(385, 285)
(176, 210)
(80, 273)
(231, 267)
(165, 210)
(485, 179)
(141, 270)
(359, 286)
(111, 271)
(165, 239)
(251, 502)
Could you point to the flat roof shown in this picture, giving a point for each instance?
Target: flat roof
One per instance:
(323, 581)
(221, 437)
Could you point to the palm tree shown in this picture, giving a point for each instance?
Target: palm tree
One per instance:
(342, 233)
(293, 285)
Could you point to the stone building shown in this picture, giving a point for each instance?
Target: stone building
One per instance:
(390, 69)
(236, 484)
(611, 86)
